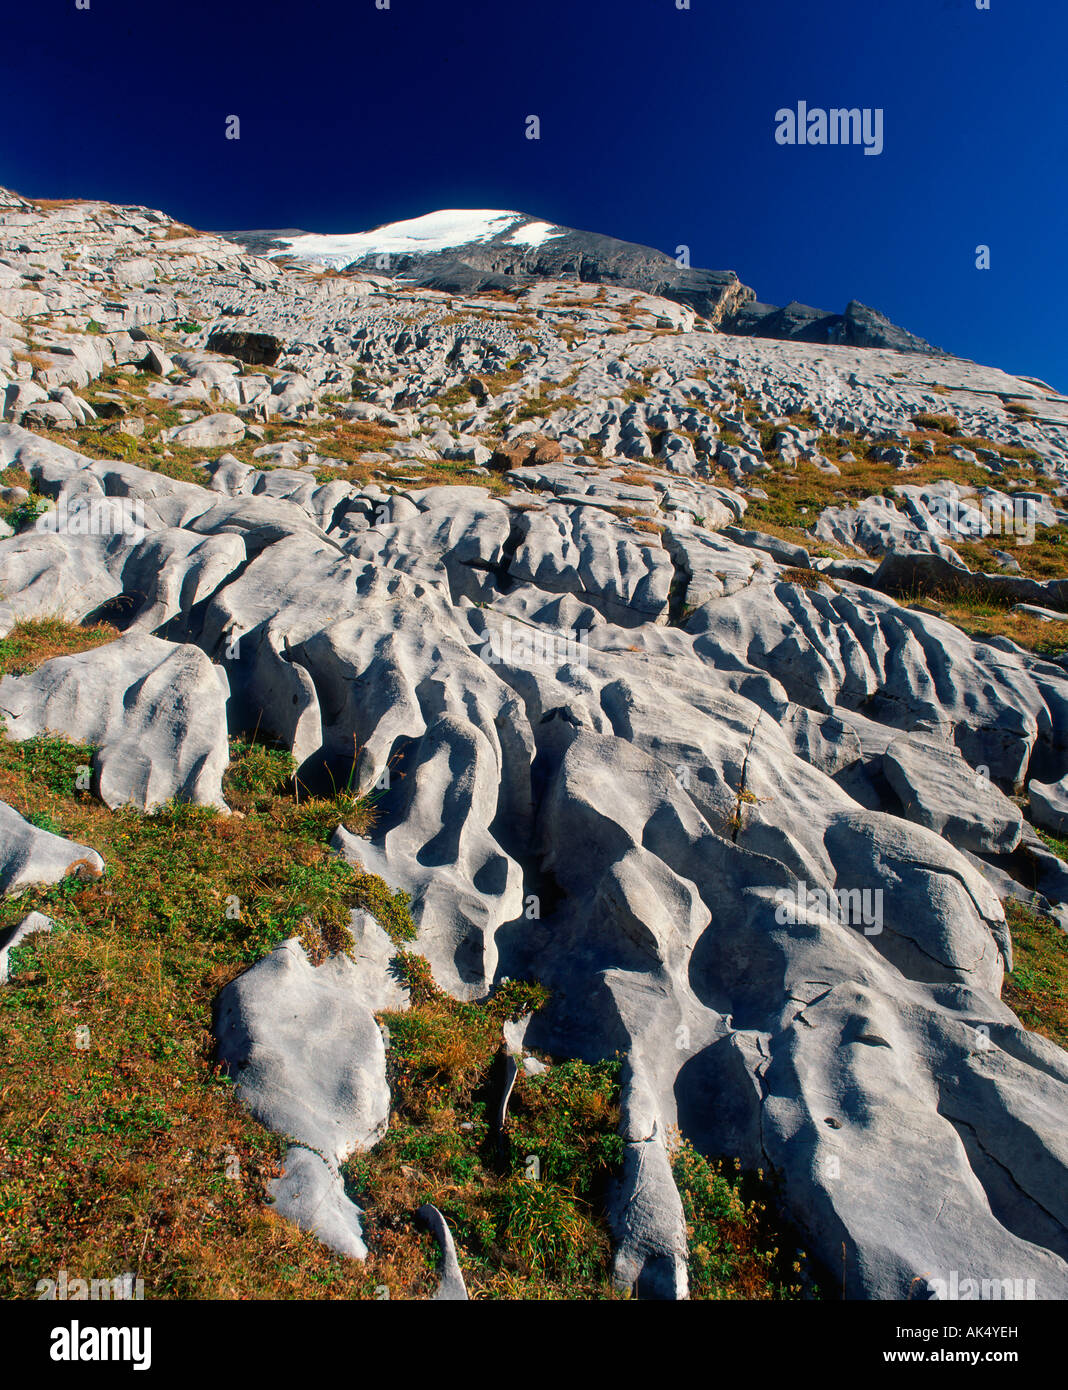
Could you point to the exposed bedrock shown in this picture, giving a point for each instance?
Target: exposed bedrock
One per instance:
(499, 562)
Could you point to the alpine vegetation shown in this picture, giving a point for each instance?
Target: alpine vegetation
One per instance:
(526, 773)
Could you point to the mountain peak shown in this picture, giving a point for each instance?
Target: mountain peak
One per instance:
(468, 250)
(443, 230)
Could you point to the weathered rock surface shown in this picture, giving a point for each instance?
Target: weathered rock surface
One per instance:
(765, 811)
(938, 789)
(305, 1052)
(30, 857)
(155, 712)
(311, 1194)
(451, 1287)
(1049, 805)
(208, 431)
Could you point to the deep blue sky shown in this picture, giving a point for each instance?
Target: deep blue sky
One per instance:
(657, 126)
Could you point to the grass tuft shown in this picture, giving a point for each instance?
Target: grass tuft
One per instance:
(737, 1249)
(30, 644)
(121, 1148)
(1037, 988)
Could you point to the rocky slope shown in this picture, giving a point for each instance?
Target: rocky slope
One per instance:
(469, 252)
(642, 727)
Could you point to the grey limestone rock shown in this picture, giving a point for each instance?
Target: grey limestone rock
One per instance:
(311, 1194)
(30, 857)
(156, 713)
(30, 925)
(750, 819)
(305, 1052)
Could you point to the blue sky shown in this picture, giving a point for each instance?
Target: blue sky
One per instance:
(657, 125)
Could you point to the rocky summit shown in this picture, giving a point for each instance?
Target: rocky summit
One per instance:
(468, 251)
(697, 665)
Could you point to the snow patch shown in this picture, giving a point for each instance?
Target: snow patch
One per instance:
(436, 231)
(534, 234)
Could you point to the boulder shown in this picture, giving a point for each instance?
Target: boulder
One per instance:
(311, 1194)
(938, 789)
(305, 1052)
(1049, 805)
(451, 1287)
(31, 857)
(156, 713)
(209, 432)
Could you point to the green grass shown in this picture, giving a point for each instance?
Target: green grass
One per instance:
(1044, 557)
(563, 1121)
(1037, 988)
(737, 1249)
(545, 404)
(517, 1236)
(28, 644)
(943, 424)
(18, 514)
(981, 616)
(116, 1141)
(122, 1147)
(175, 872)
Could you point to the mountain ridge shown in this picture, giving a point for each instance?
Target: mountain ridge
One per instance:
(498, 259)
